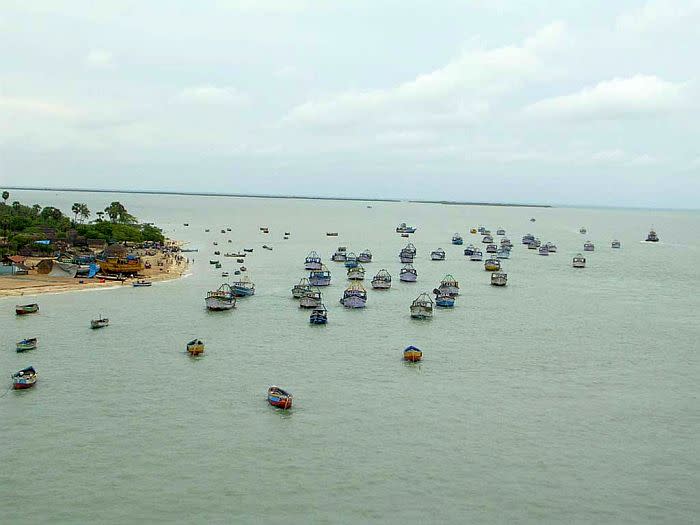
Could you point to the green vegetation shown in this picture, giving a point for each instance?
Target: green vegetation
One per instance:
(22, 225)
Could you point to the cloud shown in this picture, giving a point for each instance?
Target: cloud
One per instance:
(208, 94)
(613, 99)
(99, 58)
(36, 107)
(657, 15)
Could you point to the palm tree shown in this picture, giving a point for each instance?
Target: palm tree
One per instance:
(5, 196)
(76, 210)
(84, 212)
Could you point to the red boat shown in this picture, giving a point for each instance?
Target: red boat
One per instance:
(279, 398)
(25, 378)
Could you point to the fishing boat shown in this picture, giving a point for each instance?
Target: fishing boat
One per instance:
(406, 256)
(354, 296)
(583, 230)
(332, 234)
(320, 277)
(195, 347)
(215, 243)
(402, 228)
(408, 274)
(217, 252)
(279, 398)
(340, 254)
(532, 245)
(365, 256)
(223, 231)
(506, 242)
(588, 246)
(503, 253)
(443, 300)
(491, 248)
(412, 354)
(236, 272)
(652, 236)
(469, 250)
(381, 281)
(410, 249)
(551, 247)
(126, 266)
(26, 344)
(472, 230)
(500, 231)
(532, 219)
(310, 299)
(213, 261)
(312, 261)
(185, 224)
(351, 260)
(243, 269)
(25, 378)
(437, 255)
(299, 289)
(499, 279)
(492, 265)
(422, 307)
(543, 250)
(405, 235)
(457, 239)
(528, 238)
(206, 230)
(100, 322)
(224, 274)
(217, 265)
(579, 261)
(24, 309)
(357, 273)
(476, 256)
(248, 250)
(221, 299)
(243, 288)
(141, 283)
(488, 239)
(319, 315)
(240, 261)
(228, 229)
(287, 234)
(266, 247)
(449, 286)
(616, 244)
(481, 229)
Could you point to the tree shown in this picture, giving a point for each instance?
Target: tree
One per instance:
(100, 215)
(117, 213)
(5, 196)
(76, 210)
(84, 212)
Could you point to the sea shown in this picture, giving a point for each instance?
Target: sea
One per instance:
(568, 396)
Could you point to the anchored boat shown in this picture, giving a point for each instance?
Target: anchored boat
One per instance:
(588, 246)
(357, 273)
(195, 347)
(319, 315)
(354, 296)
(402, 228)
(406, 256)
(320, 277)
(26, 344)
(221, 299)
(449, 286)
(652, 236)
(408, 274)
(503, 253)
(243, 288)
(412, 354)
(500, 231)
(351, 260)
(141, 283)
(469, 250)
(616, 244)
(579, 261)
(422, 307)
(437, 255)
(381, 281)
(491, 248)
(279, 398)
(25, 378)
(310, 299)
(457, 239)
(340, 254)
(299, 289)
(365, 256)
(476, 256)
(444, 300)
(492, 265)
(25, 309)
(499, 279)
(543, 250)
(312, 261)
(100, 322)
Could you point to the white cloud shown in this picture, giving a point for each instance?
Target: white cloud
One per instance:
(35, 107)
(657, 15)
(613, 99)
(99, 58)
(208, 94)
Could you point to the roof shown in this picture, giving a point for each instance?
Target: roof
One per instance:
(17, 259)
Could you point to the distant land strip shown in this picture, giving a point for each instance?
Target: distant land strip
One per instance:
(263, 196)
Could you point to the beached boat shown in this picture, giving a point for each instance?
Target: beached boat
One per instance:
(100, 322)
(437, 255)
(492, 265)
(422, 307)
(408, 274)
(381, 281)
(500, 231)
(279, 398)
(26, 344)
(312, 261)
(357, 273)
(412, 354)
(25, 378)
(499, 279)
(543, 250)
(588, 246)
(340, 254)
(243, 288)
(195, 347)
(302, 287)
(402, 228)
(652, 236)
(141, 283)
(449, 286)
(579, 261)
(221, 299)
(129, 265)
(469, 250)
(24, 309)
(457, 239)
(476, 256)
(351, 260)
(488, 239)
(444, 300)
(616, 244)
(320, 277)
(406, 256)
(319, 315)
(354, 296)
(310, 299)
(365, 256)
(491, 248)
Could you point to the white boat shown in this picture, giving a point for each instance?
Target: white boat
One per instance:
(406, 256)
(499, 279)
(365, 256)
(506, 242)
(544, 250)
(476, 256)
(503, 253)
(449, 286)
(141, 283)
(299, 289)
(381, 281)
(221, 299)
(422, 307)
(408, 274)
(491, 248)
(579, 261)
(357, 273)
(588, 246)
(437, 255)
(551, 247)
(487, 239)
(312, 261)
(310, 299)
(500, 231)
(355, 296)
(340, 254)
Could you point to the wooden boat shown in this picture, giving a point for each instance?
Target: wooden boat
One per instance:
(406, 256)
(457, 239)
(310, 299)
(24, 309)
(25, 378)
(299, 289)
(583, 230)
(365, 256)
(543, 250)
(412, 354)
(320, 277)
(195, 347)
(449, 286)
(503, 253)
(408, 274)
(499, 279)
(476, 256)
(472, 230)
(248, 250)
(491, 248)
(402, 228)
(125, 266)
(410, 249)
(100, 322)
(243, 288)
(500, 231)
(616, 244)
(340, 254)
(469, 250)
(141, 283)
(279, 398)
(357, 273)
(351, 260)
(422, 307)
(266, 247)
(331, 234)
(437, 255)
(221, 299)
(213, 261)
(381, 281)
(652, 236)
(312, 261)
(443, 300)
(354, 296)
(579, 261)
(26, 344)
(492, 265)
(588, 246)
(319, 315)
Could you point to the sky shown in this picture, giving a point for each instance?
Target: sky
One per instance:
(555, 102)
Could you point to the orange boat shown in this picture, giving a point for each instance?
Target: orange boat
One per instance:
(126, 266)
(412, 354)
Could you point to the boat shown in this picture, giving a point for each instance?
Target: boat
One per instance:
(583, 230)
(405, 235)
(406, 256)
(476, 256)
(616, 244)
(310, 299)
(410, 249)
(551, 247)
(503, 253)
(381, 281)
(472, 230)
(221, 299)
(228, 229)
(652, 236)
(236, 272)
(24, 309)
(223, 231)
(248, 250)
(499, 278)
(408, 274)
(25, 378)
(207, 230)
(312, 261)
(412, 354)
(185, 224)
(402, 228)
(243, 288)
(351, 260)
(422, 307)
(491, 248)
(506, 242)
(528, 238)
(217, 252)
(588, 246)
(332, 234)
(299, 289)
(141, 283)
(265, 230)
(195, 347)
(213, 261)
(449, 286)
(215, 243)
(240, 261)
(26, 344)
(125, 266)
(437, 255)
(532, 219)
(189, 250)
(279, 398)
(488, 239)
(579, 261)
(319, 315)
(492, 265)
(340, 254)
(543, 250)
(217, 265)
(320, 277)
(457, 239)
(243, 269)
(481, 229)
(365, 256)
(444, 300)
(500, 231)
(354, 296)
(532, 245)
(287, 234)
(469, 250)
(100, 322)
(266, 247)
(224, 274)
(357, 273)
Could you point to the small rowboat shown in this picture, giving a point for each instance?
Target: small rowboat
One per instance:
(25, 378)
(412, 354)
(141, 283)
(26, 344)
(279, 398)
(195, 347)
(99, 323)
(25, 309)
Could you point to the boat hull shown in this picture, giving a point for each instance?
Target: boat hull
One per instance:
(381, 285)
(22, 385)
(420, 312)
(217, 304)
(320, 281)
(312, 266)
(318, 319)
(280, 401)
(413, 355)
(445, 303)
(353, 302)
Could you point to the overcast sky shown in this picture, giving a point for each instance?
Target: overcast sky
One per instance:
(563, 102)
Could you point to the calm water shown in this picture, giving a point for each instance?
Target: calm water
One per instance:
(568, 396)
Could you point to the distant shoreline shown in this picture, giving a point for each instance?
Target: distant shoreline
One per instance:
(263, 196)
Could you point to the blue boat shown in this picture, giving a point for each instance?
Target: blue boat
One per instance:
(443, 300)
(320, 277)
(457, 239)
(503, 253)
(319, 315)
(350, 260)
(243, 288)
(469, 250)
